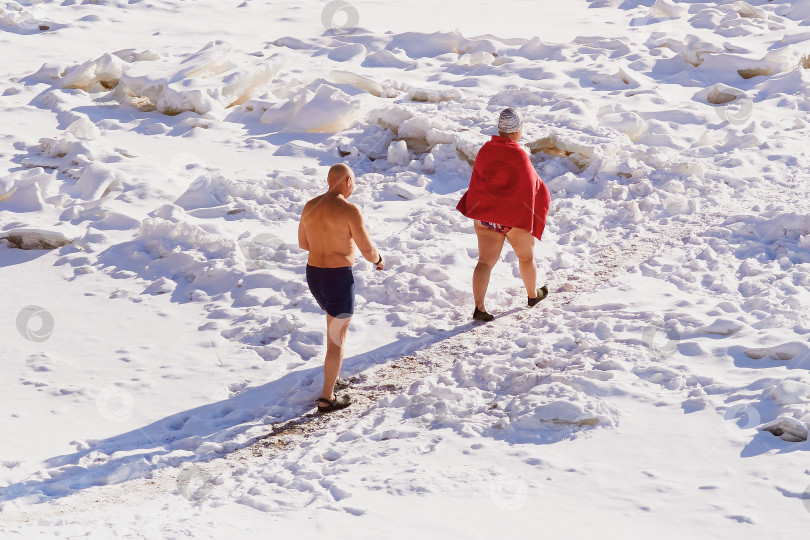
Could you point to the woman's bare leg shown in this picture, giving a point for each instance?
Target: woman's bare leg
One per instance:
(490, 244)
(522, 242)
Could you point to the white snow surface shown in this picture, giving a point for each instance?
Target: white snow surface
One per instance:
(161, 352)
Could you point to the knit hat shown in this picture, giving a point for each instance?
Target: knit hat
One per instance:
(510, 121)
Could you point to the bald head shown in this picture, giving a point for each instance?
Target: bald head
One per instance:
(338, 174)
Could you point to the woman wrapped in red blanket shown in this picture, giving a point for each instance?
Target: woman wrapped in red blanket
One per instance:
(507, 200)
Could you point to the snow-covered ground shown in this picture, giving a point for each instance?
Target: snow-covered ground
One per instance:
(162, 355)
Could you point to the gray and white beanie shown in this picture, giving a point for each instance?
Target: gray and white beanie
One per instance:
(510, 121)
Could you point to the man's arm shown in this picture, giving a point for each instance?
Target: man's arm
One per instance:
(303, 243)
(361, 237)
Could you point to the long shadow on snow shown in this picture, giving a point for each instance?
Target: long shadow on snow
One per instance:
(798, 352)
(209, 431)
(11, 256)
(764, 441)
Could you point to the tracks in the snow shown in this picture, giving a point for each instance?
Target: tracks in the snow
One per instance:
(396, 376)
(393, 377)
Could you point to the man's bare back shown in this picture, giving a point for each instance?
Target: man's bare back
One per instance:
(331, 228)
(325, 223)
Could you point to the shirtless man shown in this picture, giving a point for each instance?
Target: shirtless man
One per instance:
(329, 229)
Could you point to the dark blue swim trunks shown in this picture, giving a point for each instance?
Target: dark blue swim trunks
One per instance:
(333, 289)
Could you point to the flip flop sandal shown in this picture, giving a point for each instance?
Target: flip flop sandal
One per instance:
(340, 402)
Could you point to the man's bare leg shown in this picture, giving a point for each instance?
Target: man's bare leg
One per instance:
(336, 329)
(522, 242)
(490, 244)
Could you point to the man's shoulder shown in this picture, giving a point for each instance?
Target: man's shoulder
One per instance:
(315, 200)
(342, 205)
(337, 206)
(351, 209)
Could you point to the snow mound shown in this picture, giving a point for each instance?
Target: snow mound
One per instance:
(330, 110)
(791, 392)
(96, 180)
(666, 8)
(629, 123)
(24, 18)
(419, 45)
(160, 239)
(558, 405)
(24, 191)
(204, 262)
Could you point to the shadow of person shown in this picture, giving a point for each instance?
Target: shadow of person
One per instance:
(203, 433)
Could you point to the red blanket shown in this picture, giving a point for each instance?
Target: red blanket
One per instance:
(505, 188)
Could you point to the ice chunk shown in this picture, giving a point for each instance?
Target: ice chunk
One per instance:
(719, 94)
(694, 49)
(284, 112)
(242, 84)
(398, 153)
(375, 142)
(416, 127)
(405, 191)
(433, 95)
(786, 351)
(207, 82)
(429, 164)
(787, 428)
(24, 190)
(330, 110)
(103, 73)
(205, 191)
(554, 145)
(96, 181)
(746, 10)
(35, 239)
(618, 80)
(83, 128)
(211, 60)
(629, 123)
(6, 196)
(565, 412)
(722, 327)
(360, 81)
(666, 9)
(385, 59)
